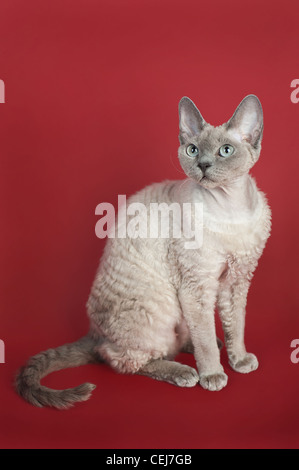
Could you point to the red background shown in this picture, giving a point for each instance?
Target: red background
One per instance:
(92, 89)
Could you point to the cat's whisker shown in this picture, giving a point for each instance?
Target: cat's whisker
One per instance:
(184, 182)
(174, 166)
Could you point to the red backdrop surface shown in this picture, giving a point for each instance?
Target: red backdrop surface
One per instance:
(91, 91)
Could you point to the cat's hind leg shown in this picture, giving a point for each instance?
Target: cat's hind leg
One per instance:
(171, 372)
(140, 362)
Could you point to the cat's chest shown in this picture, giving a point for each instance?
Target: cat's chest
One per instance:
(237, 234)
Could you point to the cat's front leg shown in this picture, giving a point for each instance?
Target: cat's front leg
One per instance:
(232, 298)
(198, 302)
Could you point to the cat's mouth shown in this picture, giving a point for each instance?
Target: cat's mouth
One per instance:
(205, 178)
(207, 181)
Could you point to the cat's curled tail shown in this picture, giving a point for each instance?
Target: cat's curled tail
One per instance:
(69, 355)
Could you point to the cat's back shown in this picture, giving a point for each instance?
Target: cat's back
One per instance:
(156, 193)
(135, 250)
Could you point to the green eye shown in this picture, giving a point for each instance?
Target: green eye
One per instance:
(192, 150)
(226, 150)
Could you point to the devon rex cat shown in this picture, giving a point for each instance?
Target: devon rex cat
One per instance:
(153, 298)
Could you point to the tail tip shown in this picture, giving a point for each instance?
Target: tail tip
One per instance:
(61, 399)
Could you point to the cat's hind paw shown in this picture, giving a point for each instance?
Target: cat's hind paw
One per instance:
(213, 382)
(246, 364)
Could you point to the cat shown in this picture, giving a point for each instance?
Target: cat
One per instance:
(152, 297)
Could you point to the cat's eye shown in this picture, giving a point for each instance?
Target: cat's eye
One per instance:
(192, 150)
(226, 150)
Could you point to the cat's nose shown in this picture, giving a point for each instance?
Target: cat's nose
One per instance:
(204, 165)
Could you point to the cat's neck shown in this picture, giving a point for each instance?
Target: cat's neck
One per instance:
(235, 202)
(238, 194)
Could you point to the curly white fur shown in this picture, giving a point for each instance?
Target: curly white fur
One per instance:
(154, 297)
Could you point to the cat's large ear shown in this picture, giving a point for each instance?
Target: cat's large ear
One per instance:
(191, 121)
(247, 121)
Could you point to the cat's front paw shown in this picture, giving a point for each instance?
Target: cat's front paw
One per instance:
(186, 377)
(213, 382)
(244, 365)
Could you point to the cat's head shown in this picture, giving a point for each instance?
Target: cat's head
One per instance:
(216, 156)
